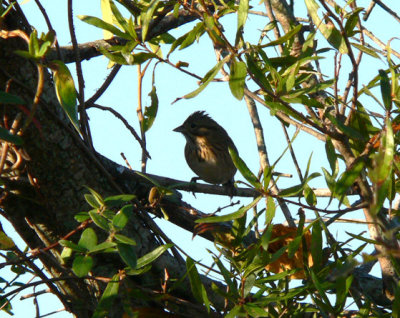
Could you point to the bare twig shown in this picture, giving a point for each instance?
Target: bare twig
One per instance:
(125, 122)
(84, 123)
(387, 9)
(105, 85)
(262, 152)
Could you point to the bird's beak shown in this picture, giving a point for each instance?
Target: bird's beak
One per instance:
(180, 129)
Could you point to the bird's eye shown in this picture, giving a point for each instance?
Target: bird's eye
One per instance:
(192, 125)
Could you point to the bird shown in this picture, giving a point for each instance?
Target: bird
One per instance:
(206, 149)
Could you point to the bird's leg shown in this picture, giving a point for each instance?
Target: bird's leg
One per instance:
(230, 188)
(194, 180)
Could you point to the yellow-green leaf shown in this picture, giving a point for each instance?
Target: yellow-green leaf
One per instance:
(65, 90)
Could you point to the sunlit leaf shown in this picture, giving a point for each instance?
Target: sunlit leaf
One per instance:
(88, 239)
(104, 25)
(99, 220)
(365, 49)
(208, 78)
(124, 239)
(103, 247)
(152, 256)
(65, 90)
(329, 31)
(122, 216)
(237, 78)
(6, 242)
(242, 13)
(150, 112)
(147, 17)
(285, 37)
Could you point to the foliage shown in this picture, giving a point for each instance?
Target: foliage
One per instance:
(256, 270)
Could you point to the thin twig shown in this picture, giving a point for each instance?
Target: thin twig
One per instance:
(125, 122)
(262, 152)
(105, 85)
(271, 17)
(387, 9)
(292, 153)
(83, 118)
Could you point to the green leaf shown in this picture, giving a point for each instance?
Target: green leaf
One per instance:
(91, 199)
(72, 246)
(44, 48)
(81, 216)
(270, 212)
(242, 13)
(227, 278)
(150, 112)
(6, 242)
(347, 130)
(207, 78)
(108, 297)
(122, 217)
(347, 179)
(118, 16)
(333, 36)
(152, 256)
(244, 170)
(316, 246)
(99, 220)
(255, 310)
(332, 156)
(7, 136)
(309, 195)
(82, 265)
(342, 286)
(117, 200)
(34, 43)
(325, 303)
(285, 37)
(198, 290)
(364, 239)
(116, 57)
(128, 254)
(124, 239)
(88, 239)
(6, 98)
(351, 23)
(237, 78)
(229, 217)
(388, 144)
(385, 89)
(104, 25)
(65, 90)
(147, 17)
(189, 38)
(107, 16)
(367, 50)
(295, 190)
(103, 247)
